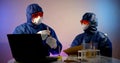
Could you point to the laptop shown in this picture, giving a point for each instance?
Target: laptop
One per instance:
(29, 48)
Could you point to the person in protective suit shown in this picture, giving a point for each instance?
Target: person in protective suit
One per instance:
(34, 25)
(92, 36)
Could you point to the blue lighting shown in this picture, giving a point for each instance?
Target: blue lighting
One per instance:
(107, 16)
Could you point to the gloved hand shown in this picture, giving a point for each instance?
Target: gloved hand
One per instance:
(44, 34)
(51, 42)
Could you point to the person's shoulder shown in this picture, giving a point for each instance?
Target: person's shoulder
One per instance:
(21, 25)
(80, 35)
(102, 35)
(45, 26)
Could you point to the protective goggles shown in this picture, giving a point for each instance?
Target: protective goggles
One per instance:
(35, 15)
(86, 22)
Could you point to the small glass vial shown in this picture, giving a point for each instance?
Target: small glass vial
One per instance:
(82, 55)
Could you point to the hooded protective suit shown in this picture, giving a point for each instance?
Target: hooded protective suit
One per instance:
(30, 28)
(98, 39)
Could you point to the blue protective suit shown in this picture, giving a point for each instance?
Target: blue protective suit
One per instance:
(30, 28)
(98, 39)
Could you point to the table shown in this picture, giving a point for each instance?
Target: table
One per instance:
(99, 59)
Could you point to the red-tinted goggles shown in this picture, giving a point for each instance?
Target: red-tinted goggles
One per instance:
(35, 15)
(84, 22)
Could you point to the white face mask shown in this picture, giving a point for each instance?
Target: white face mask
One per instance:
(84, 27)
(37, 20)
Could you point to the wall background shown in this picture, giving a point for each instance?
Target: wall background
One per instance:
(63, 16)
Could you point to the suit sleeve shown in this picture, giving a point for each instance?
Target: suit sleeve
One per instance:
(105, 47)
(59, 45)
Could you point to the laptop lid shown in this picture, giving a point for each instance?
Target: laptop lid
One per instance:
(27, 47)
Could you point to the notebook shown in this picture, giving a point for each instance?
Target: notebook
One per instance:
(28, 48)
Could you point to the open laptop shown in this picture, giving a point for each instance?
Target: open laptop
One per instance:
(28, 48)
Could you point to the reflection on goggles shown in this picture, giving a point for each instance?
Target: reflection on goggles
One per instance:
(35, 15)
(84, 22)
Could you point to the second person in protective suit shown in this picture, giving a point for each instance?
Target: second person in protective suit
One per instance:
(92, 36)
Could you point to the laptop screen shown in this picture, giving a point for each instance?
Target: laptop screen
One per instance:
(27, 47)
